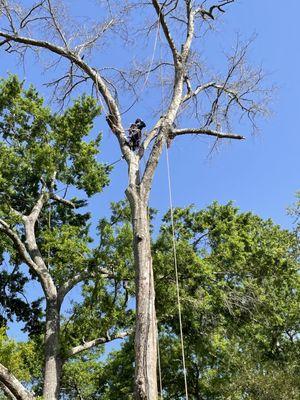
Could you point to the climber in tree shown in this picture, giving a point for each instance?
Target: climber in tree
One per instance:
(135, 134)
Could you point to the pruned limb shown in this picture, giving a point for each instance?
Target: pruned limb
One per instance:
(208, 132)
(96, 342)
(13, 385)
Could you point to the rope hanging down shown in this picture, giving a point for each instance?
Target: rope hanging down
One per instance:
(174, 244)
(176, 277)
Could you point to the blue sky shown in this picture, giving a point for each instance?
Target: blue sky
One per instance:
(260, 174)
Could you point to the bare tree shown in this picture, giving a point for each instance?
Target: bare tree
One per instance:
(214, 104)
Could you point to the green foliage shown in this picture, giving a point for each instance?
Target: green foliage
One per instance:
(239, 287)
(80, 377)
(37, 144)
(117, 370)
(23, 359)
(40, 149)
(104, 305)
(12, 285)
(239, 274)
(45, 152)
(65, 247)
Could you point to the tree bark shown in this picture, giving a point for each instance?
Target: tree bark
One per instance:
(12, 385)
(53, 362)
(146, 330)
(8, 393)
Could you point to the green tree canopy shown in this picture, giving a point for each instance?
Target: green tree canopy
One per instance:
(239, 287)
(239, 274)
(42, 151)
(43, 157)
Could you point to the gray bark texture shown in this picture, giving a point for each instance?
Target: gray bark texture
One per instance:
(53, 363)
(145, 330)
(11, 385)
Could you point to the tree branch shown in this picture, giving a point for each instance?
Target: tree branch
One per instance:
(88, 345)
(114, 118)
(190, 30)
(14, 385)
(208, 132)
(7, 392)
(6, 229)
(151, 135)
(81, 276)
(209, 13)
(31, 256)
(36, 210)
(29, 251)
(166, 31)
(56, 24)
(61, 200)
(193, 93)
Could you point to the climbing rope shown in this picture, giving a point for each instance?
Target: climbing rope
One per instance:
(176, 276)
(115, 162)
(174, 245)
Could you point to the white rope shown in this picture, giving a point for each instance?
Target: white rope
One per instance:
(176, 277)
(174, 247)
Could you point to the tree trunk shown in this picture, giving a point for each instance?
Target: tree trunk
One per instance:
(53, 361)
(146, 330)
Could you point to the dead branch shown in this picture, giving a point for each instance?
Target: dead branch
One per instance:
(207, 132)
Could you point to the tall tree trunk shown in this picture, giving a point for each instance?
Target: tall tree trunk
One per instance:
(53, 361)
(146, 330)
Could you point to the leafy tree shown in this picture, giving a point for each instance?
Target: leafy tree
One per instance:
(42, 155)
(239, 286)
(240, 295)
